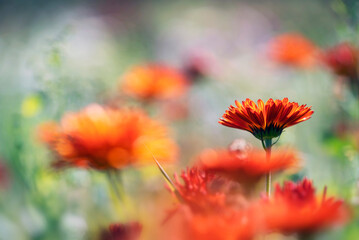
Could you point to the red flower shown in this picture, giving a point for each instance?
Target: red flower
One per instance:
(105, 138)
(154, 81)
(293, 49)
(295, 209)
(343, 60)
(267, 120)
(197, 190)
(119, 231)
(246, 167)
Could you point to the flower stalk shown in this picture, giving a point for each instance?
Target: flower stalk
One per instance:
(267, 144)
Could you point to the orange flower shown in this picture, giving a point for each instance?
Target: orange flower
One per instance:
(293, 49)
(154, 81)
(295, 209)
(119, 231)
(265, 121)
(196, 192)
(105, 138)
(343, 60)
(230, 224)
(246, 167)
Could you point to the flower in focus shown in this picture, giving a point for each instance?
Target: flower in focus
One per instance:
(265, 121)
(106, 138)
(246, 167)
(342, 59)
(296, 209)
(154, 81)
(196, 191)
(293, 49)
(119, 231)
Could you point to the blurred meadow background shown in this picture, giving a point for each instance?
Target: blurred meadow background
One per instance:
(58, 57)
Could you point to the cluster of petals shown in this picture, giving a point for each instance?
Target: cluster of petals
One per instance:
(296, 209)
(107, 138)
(120, 231)
(265, 120)
(196, 190)
(293, 49)
(154, 81)
(249, 166)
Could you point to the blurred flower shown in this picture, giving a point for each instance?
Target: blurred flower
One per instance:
(196, 192)
(154, 81)
(342, 59)
(119, 231)
(293, 49)
(248, 166)
(230, 224)
(4, 176)
(105, 138)
(295, 209)
(265, 121)
(196, 66)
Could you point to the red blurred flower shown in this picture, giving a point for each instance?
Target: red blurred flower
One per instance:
(197, 190)
(293, 49)
(105, 138)
(154, 81)
(246, 167)
(119, 231)
(265, 121)
(342, 59)
(295, 209)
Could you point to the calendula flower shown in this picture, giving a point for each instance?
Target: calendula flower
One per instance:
(120, 231)
(293, 49)
(106, 138)
(265, 120)
(296, 209)
(342, 59)
(196, 191)
(246, 167)
(154, 81)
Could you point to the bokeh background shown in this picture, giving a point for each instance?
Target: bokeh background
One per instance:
(59, 56)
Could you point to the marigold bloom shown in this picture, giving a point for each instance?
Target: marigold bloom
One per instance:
(105, 138)
(119, 231)
(196, 191)
(295, 209)
(265, 121)
(342, 59)
(246, 167)
(154, 81)
(293, 49)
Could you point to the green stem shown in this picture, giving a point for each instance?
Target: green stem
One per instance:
(267, 143)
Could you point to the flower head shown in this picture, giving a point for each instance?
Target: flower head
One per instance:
(293, 49)
(196, 191)
(105, 138)
(246, 167)
(265, 121)
(154, 81)
(296, 209)
(119, 231)
(343, 60)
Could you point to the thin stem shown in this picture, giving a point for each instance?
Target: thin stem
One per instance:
(267, 143)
